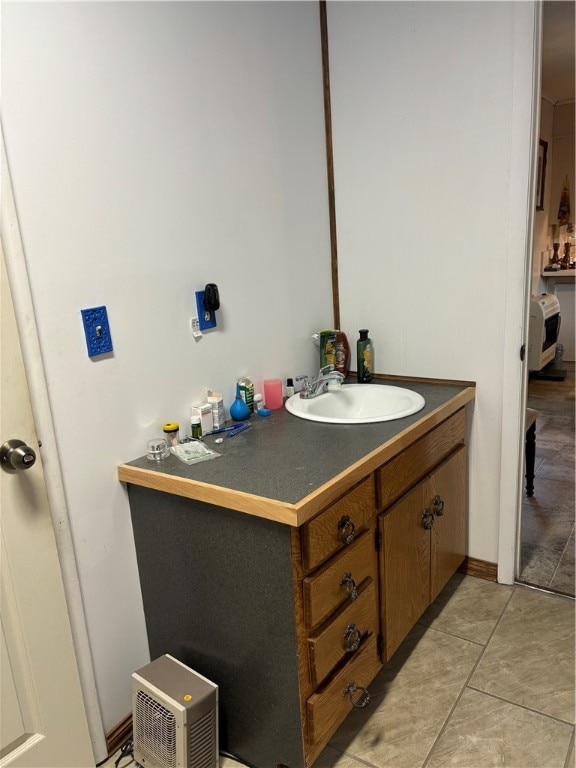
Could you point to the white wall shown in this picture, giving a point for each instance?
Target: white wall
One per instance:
(155, 147)
(432, 106)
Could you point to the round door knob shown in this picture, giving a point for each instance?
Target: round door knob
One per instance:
(16, 455)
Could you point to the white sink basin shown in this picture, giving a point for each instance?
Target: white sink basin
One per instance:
(357, 404)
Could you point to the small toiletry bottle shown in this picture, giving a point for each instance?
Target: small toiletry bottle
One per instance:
(289, 387)
(196, 427)
(342, 353)
(364, 357)
(327, 348)
(245, 388)
(171, 430)
(259, 407)
(217, 404)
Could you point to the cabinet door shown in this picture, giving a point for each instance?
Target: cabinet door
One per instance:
(423, 543)
(405, 566)
(447, 498)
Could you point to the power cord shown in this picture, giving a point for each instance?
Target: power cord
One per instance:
(126, 750)
(236, 759)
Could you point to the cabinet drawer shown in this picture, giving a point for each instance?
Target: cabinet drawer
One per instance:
(327, 533)
(327, 709)
(402, 472)
(345, 635)
(333, 585)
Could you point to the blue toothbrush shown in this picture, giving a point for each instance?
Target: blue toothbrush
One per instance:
(239, 428)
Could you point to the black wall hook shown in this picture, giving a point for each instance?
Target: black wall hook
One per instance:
(211, 297)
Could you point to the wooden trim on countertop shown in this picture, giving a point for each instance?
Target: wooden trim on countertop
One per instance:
(299, 513)
(260, 506)
(424, 380)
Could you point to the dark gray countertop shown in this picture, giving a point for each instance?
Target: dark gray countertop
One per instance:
(286, 458)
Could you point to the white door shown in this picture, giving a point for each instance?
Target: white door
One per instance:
(42, 716)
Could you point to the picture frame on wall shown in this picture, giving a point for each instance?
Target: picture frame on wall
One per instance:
(541, 174)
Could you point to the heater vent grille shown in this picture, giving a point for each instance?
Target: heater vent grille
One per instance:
(202, 741)
(155, 730)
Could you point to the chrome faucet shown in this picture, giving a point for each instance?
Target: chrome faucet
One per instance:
(327, 379)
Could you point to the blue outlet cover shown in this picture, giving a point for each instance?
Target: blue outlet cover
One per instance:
(206, 318)
(97, 331)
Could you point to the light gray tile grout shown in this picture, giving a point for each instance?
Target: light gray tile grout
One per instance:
(545, 590)
(354, 757)
(452, 634)
(570, 748)
(562, 555)
(522, 706)
(470, 675)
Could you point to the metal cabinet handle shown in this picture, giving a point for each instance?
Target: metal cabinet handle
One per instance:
(352, 638)
(438, 506)
(347, 530)
(427, 519)
(362, 701)
(348, 582)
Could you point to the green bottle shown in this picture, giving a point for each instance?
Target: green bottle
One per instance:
(364, 357)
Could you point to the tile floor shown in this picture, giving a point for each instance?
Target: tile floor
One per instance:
(547, 522)
(485, 679)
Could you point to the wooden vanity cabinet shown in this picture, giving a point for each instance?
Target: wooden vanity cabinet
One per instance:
(293, 622)
(423, 533)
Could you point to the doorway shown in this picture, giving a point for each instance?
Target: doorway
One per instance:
(546, 541)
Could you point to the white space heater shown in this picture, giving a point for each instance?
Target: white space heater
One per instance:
(543, 330)
(174, 716)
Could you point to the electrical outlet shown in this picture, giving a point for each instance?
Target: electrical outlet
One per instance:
(206, 318)
(97, 331)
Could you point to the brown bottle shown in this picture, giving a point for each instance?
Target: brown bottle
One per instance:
(342, 353)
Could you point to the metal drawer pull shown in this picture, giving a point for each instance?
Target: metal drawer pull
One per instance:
(352, 638)
(438, 506)
(362, 701)
(348, 582)
(347, 530)
(427, 519)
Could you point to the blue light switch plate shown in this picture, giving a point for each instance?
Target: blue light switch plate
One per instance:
(206, 317)
(97, 331)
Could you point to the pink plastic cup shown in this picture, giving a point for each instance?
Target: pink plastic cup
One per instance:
(273, 394)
